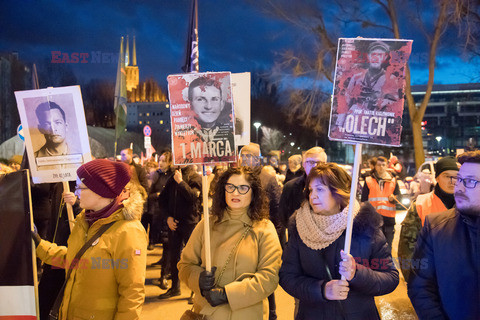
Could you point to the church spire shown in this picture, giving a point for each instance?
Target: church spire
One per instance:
(134, 57)
(127, 54)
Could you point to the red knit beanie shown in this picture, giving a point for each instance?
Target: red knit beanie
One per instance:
(104, 177)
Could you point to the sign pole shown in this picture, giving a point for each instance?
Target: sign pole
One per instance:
(353, 196)
(206, 219)
(66, 188)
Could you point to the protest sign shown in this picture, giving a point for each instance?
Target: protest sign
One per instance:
(55, 131)
(241, 98)
(368, 94)
(202, 118)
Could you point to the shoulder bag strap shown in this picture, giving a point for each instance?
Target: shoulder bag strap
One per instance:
(231, 253)
(58, 301)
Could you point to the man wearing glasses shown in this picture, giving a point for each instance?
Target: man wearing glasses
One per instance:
(292, 195)
(446, 284)
(439, 200)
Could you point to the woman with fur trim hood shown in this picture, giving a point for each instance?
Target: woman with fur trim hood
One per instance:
(108, 280)
(313, 261)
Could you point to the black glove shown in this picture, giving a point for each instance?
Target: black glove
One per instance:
(216, 296)
(36, 238)
(206, 281)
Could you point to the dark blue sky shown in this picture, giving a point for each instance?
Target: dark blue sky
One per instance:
(234, 36)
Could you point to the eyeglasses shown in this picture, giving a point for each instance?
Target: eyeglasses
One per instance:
(242, 189)
(312, 163)
(77, 188)
(467, 182)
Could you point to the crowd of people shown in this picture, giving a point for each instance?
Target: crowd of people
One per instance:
(270, 225)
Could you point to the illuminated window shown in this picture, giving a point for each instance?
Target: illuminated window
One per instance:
(167, 106)
(161, 121)
(148, 122)
(140, 114)
(148, 114)
(139, 122)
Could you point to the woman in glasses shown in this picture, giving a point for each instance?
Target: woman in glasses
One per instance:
(245, 252)
(314, 261)
(107, 281)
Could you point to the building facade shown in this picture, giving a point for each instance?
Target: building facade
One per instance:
(154, 114)
(451, 122)
(14, 76)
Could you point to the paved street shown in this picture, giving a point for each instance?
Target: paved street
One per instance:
(392, 306)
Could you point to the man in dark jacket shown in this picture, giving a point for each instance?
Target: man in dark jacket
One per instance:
(295, 169)
(292, 195)
(180, 201)
(139, 173)
(445, 283)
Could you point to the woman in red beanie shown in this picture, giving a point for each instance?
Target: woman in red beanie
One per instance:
(108, 280)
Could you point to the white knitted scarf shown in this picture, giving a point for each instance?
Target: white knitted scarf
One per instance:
(318, 231)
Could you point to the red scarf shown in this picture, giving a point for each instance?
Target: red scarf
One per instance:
(92, 216)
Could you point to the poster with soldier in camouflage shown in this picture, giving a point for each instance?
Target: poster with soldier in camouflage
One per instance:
(368, 94)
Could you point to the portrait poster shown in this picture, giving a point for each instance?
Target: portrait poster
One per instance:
(202, 118)
(241, 99)
(368, 93)
(55, 131)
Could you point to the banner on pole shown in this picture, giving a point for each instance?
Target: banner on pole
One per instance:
(368, 93)
(55, 131)
(17, 291)
(202, 118)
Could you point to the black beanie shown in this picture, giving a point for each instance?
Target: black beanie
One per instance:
(444, 164)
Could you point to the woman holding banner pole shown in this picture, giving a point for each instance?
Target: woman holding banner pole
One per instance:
(314, 261)
(245, 252)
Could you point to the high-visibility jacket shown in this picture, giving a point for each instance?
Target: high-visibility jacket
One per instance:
(429, 203)
(378, 197)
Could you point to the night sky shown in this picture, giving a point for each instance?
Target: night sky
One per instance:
(235, 36)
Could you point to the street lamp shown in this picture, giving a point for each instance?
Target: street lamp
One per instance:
(257, 125)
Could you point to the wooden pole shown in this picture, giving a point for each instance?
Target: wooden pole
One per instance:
(353, 196)
(66, 188)
(34, 254)
(206, 220)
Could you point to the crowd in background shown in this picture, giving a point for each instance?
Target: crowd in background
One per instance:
(296, 194)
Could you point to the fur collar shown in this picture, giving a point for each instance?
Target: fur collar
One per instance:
(133, 206)
(367, 220)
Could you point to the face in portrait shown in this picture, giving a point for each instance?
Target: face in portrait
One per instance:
(205, 96)
(53, 125)
(377, 55)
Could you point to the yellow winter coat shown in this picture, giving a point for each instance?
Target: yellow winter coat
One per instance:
(108, 283)
(251, 275)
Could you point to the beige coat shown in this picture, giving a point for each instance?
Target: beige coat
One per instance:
(251, 275)
(108, 283)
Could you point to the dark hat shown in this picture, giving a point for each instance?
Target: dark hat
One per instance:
(444, 164)
(104, 177)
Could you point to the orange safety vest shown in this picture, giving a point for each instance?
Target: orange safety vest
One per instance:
(379, 198)
(429, 203)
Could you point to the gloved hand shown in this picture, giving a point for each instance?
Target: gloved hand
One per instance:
(216, 296)
(206, 281)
